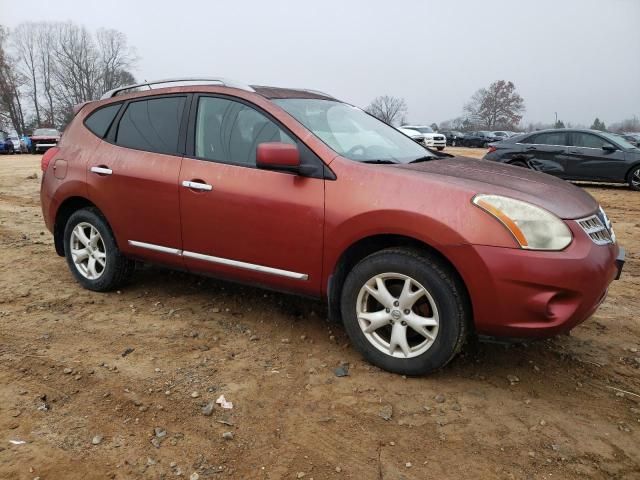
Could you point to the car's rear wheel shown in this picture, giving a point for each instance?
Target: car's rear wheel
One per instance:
(92, 253)
(405, 311)
(634, 178)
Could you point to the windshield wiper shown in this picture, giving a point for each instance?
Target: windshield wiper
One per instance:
(426, 158)
(380, 162)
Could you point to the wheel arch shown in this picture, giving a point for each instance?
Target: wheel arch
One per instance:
(64, 212)
(364, 247)
(627, 176)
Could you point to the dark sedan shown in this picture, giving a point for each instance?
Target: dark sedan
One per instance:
(479, 139)
(454, 138)
(588, 155)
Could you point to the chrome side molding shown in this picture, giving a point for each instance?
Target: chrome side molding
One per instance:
(156, 248)
(220, 260)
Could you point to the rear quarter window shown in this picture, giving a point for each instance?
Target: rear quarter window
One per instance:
(100, 120)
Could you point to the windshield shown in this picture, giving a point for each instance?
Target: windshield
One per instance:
(46, 132)
(621, 141)
(352, 133)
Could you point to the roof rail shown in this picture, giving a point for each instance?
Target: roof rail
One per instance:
(317, 92)
(225, 82)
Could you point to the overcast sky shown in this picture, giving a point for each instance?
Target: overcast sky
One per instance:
(580, 58)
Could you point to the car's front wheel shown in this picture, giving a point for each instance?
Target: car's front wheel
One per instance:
(440, 148)
(92, 253)
(405, 311)
(634, 178)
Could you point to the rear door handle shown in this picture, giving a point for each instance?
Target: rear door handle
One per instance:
(197, 185)
(531, 148)
(102, 170)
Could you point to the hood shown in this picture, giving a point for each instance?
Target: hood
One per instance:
(481, 176)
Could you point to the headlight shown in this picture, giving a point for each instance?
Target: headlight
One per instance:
(533, 227)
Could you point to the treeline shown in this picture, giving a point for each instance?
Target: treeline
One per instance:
(48, 67)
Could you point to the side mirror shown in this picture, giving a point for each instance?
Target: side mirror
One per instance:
(608, 148)
(278, 156)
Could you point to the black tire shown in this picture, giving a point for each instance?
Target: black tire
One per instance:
(440, 148)
(519, 163)
(446, 290)
(118, 268)
(634, 178)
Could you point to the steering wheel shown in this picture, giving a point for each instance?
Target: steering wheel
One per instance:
(356, 148)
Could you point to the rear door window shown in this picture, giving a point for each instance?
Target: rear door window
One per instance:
(152, 125)
(100, 120)
(550, 138)
(229, 132)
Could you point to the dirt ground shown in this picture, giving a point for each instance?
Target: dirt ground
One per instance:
(131, 370)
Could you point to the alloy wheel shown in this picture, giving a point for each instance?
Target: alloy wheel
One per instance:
(397, 315)
(635, 179)
(88, 251)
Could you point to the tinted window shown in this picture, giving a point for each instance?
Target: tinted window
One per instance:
(589, 140)
(229, 132)
(152, 125)
(100, 120)
(550, 138)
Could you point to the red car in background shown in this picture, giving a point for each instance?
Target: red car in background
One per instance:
(300, 192)
(43, 139)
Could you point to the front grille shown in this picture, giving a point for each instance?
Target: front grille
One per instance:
(439, 138)
(598, 228)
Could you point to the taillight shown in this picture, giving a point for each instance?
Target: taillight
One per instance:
(492, 149)
(46, 158)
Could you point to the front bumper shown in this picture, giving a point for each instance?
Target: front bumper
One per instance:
(44, 146)
(534, 294)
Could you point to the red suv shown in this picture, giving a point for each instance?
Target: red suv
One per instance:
(300, 192)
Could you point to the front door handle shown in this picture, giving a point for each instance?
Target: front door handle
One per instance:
(102, 170)
(197, 185)
(574, 151)
(531, 148)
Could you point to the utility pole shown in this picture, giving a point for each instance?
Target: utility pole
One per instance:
(556, 118)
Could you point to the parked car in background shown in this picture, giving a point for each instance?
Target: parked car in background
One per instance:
(431, 139)
(501, 134)
(6, 145)
(573, 155)
(13, 137)
(454, 138)
(43, 139)
(479, 139)
(415, 135)
(299, 192)
(632, 138)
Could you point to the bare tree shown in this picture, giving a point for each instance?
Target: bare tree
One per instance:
(10, 105)
(498, 106)
(626, 125)
(45, 37)
(84, 68)
(25, 42)
(115, 60)
(389, 109)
